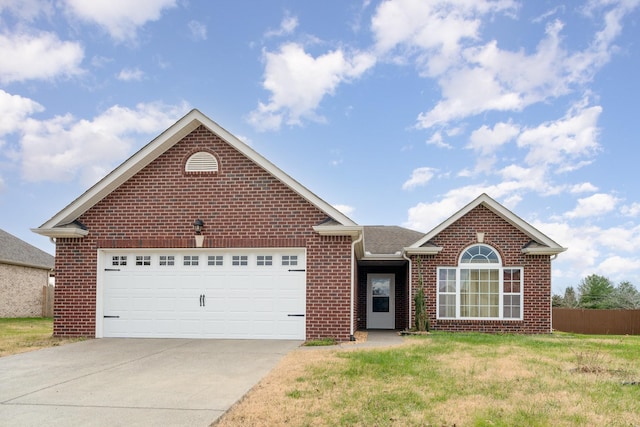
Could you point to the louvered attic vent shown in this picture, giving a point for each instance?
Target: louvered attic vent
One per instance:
(201, 162)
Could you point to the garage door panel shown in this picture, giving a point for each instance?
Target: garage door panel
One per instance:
(208, 301)
(263, 305)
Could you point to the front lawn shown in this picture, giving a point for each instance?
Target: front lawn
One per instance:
(454, 379)
(18, 335)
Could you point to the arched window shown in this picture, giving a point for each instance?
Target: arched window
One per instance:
(479, 254)
(480, 287)
(201, 161)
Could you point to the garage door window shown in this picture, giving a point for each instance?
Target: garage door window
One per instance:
(215, 260)
(191, 260)
(167, 260)
(265, 260)
(143, 260)
(240, 260)
(119, 260)
(289, 259)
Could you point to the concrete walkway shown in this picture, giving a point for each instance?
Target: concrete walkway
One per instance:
(379, 339)
(133, 382)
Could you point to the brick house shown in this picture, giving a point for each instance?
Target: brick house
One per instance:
(197, 235)
(24, 271)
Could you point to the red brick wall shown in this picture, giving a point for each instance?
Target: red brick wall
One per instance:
(329, 287)
(241, 205)
(508, 241)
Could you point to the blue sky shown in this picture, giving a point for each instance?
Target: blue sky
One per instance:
(398, 112)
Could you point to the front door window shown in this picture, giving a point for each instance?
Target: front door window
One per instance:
(381, 291)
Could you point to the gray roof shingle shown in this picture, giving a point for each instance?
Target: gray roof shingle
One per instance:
(16, 251)
(388, 239)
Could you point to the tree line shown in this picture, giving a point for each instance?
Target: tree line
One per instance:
(598, 292)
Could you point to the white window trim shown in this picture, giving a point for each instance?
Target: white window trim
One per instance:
(481, 266)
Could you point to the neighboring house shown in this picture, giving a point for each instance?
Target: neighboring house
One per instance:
(197, 235)
(24, 270)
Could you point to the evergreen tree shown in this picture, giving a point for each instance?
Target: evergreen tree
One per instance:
(596, 292)
(626, 296)
(570, 299)
(557, 301)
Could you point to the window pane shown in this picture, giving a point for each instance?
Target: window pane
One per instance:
(447, 280)
(381, 287)
(511, 280)
(479, 254)
(380, 304)
(511, 306)
(447, 306)
(479, 296)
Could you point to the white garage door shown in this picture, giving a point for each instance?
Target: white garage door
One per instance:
(252, 294)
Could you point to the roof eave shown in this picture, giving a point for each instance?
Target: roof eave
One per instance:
(429, 250)
(62, 232)
(339, 230)
(543, 251)
(382, 257)
(26, 264)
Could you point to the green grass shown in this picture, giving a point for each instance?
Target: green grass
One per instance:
(321, 342)
(480, 380)
(18, 335)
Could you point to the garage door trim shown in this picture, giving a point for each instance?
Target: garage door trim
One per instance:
(104, 265)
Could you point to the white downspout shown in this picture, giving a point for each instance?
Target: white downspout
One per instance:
(404, 255)
(353, 282)
(551, 296)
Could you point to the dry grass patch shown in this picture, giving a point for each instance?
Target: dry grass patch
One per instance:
(285, 394)
(447, 379)
(20, 335)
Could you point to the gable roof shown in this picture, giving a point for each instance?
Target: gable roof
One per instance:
(18, 252)
(62, 224)
(541, 244)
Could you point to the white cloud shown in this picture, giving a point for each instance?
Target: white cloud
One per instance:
(287, 26)
(27, 10)
(130, 74)
(596, 205)
(14, 109)
(437, 140)
(432, 31)
(38, 56)
(486, 140)
(425, 216)
(120, 18)
(419, 177)
(345, 209)
(584, 187)
(523, 178)
(564, 141)
(298, 82)
(484, 77)
(593, 250)
(630, 210)
(198, 30)
(65, 148)
(617, 268)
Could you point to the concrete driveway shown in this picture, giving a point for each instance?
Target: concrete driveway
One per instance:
(133, 382)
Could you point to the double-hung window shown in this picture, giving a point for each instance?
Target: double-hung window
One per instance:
(480, 287)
